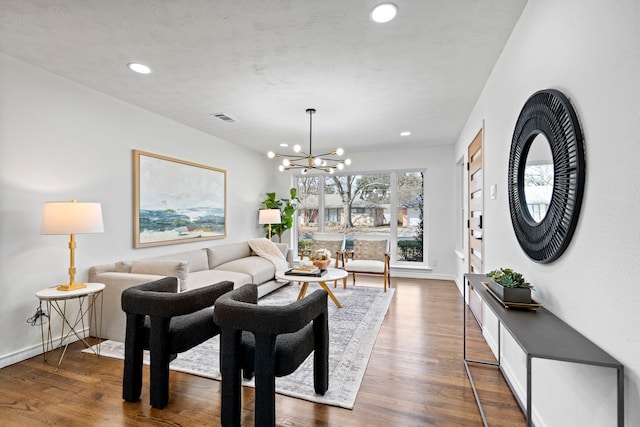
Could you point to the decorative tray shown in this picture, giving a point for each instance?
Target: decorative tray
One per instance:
(294, 272)
(534, 305)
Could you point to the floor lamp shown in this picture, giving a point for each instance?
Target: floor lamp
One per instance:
(269, 216)
(71, 218)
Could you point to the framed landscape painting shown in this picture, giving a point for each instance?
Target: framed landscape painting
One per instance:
(176, 201)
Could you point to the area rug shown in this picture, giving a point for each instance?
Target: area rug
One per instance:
(353, 330)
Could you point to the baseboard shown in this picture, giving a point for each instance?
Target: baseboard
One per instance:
(34, 350)
(20, 355)
(416, 274)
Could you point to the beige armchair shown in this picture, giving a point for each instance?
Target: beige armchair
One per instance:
(370, 255)
(334, 242)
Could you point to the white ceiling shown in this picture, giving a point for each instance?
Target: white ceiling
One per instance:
(264, 62)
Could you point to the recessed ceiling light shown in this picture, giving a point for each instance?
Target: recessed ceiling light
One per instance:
(284, 144)
(139, 68)
(405, 133)
(384, 12)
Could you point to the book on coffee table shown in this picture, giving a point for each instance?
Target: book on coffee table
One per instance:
(312, 271)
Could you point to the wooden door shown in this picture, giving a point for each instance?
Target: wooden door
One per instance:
(474, 220)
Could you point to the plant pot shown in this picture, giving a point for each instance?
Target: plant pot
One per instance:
(522, 295)
(322, 265)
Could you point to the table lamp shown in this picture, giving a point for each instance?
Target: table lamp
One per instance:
(71, 218)
(269, 216)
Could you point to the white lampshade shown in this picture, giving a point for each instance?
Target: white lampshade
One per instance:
(71, 218)
(269, 216)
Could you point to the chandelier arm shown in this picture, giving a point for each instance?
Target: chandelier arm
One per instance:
(331, 153)
(325, 162)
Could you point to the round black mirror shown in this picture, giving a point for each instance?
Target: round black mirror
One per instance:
(547, 122)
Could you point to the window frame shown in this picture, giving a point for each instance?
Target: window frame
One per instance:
(393, 209)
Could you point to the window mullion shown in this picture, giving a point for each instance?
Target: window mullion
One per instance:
(393, 208)
(321, 204)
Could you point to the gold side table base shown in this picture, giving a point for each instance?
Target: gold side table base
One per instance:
(56, 301)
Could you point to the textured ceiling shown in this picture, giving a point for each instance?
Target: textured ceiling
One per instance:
(264, 62)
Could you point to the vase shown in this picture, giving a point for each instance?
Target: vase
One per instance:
(522, 295)
(322, 265)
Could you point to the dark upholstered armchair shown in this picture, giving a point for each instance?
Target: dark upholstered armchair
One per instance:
(165, 323)
(268, 341)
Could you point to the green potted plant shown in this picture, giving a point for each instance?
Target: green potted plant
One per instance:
(287, 209)
(509, 286)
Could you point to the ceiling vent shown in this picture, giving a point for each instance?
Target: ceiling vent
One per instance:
(224, 117)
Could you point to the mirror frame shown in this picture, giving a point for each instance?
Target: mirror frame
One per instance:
(547, 112)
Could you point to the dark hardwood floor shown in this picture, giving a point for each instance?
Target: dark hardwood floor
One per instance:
(415, 377)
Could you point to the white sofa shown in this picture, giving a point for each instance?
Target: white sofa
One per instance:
(235, 262)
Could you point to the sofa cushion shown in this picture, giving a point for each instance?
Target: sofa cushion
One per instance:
(260, 269)
(364, 266)
(178, 269)
(197, 259)
(207, 277)
(219, 255)
(123, 266)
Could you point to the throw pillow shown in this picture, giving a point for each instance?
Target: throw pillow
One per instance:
(179, 269)
(369, 249)
(123, 267)
(332, 245)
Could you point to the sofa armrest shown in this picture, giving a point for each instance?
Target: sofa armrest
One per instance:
(99, 269)
(114, 320)
(289, 257)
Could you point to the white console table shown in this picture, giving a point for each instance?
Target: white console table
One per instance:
(539, 334)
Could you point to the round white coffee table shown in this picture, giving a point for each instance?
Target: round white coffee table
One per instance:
(331, 275)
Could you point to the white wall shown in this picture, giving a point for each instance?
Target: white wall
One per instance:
(440, 194)
(589, 50)
(61, 141)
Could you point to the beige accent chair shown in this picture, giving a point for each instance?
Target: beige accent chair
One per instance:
(370, 255)
(334, 242)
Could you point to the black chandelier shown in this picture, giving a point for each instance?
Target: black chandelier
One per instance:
(324, 162)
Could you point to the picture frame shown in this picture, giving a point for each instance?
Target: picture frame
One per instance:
(176, 201)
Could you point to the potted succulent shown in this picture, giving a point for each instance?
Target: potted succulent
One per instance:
(509, 286)
(321, 258)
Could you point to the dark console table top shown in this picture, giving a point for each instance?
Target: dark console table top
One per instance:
(542, 334)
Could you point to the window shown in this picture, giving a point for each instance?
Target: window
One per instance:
(410, 203)
(332, 215)
(363, 203)
(308, 212)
